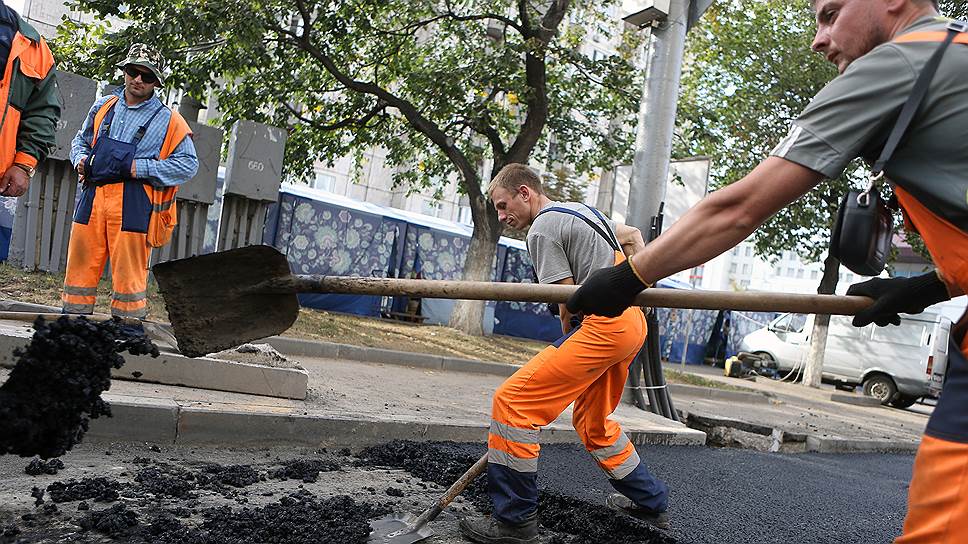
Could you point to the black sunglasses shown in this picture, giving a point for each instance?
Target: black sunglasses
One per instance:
(147, 76)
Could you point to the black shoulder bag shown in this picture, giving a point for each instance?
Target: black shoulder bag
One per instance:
(861, 238)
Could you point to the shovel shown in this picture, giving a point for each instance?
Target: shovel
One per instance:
(404, 528)
(221, 300)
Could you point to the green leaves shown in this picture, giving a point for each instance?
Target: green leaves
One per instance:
(442, 84)
(749, 72)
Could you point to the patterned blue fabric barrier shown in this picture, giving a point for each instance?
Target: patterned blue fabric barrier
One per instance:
(321, 238)
(8, 208)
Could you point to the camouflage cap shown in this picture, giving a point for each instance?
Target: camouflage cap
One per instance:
(144, 55)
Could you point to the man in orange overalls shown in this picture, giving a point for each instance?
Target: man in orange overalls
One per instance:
(880, 47)
(587, 366)
(131, 154)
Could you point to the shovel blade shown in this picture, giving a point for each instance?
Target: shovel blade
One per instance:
(397, 529)
(213, 303)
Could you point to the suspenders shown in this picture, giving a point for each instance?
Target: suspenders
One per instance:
(603, 230)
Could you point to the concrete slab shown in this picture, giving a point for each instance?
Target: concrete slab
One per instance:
(174, 369)
(137, 419)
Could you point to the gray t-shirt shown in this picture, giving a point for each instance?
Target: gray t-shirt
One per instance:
(564, 246)
(853, 115)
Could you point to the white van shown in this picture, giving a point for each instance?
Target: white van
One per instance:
(893, 363)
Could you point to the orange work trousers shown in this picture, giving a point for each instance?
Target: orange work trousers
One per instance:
(588, 367)
(938, 495)
(102, 237)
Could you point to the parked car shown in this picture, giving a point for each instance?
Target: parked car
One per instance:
(894, 364)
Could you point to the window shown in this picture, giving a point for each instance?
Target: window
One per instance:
(850, 278)
(778, 271)
(746, 268)
(790, 323)
(464, 216)
(732, 268)
(789, 272)
(749, 251)
(324, 182)
(814, 274)
(744, 284)
(800, 273)
(430, 207)
(736, 250)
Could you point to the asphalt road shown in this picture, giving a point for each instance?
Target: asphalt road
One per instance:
(742, 496)
(718, 495)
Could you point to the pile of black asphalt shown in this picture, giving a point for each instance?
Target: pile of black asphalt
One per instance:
(55, 388)
(571, 520)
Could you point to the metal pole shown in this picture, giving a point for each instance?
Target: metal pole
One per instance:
(657, 116)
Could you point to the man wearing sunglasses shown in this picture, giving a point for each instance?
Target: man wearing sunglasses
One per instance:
(131, 155)
(29, 98)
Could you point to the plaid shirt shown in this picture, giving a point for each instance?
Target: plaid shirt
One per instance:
(178, 168)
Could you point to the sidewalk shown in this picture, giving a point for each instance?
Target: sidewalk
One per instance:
(806, 419)
(348, 403)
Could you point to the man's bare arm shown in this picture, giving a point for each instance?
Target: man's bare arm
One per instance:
(563, 312)
(725, 218)
(630, 238)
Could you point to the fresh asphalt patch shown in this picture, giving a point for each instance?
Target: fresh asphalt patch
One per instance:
(214, 496)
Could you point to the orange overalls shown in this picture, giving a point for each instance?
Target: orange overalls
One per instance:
(938, 494)
(123, 220)
(588, 366)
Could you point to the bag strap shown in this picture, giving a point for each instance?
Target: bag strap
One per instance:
(914, 101)
(608, 238)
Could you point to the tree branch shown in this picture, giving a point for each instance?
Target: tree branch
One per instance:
(423, 125)
(536, 77)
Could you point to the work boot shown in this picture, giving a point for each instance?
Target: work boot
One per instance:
(621, 503)
(491, 531)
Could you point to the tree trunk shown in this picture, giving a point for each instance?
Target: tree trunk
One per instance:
(468, 315)
(818, 337)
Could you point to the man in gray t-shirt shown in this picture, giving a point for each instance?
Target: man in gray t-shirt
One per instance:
(587, 367)
(880, 48)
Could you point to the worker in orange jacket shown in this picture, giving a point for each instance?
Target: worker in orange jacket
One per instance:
(31, 107)
(880, 49)
(131, 154)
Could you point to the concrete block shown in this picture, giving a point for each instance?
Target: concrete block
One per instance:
(226, 426)
(850, 445)
(856, 400)
(174, 369)
(137, 420)
(215, 374)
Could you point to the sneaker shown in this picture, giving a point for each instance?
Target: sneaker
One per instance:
(621, 503)
(491, 531)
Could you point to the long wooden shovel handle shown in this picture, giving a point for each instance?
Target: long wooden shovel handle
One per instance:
(532, 292)
(455, 489)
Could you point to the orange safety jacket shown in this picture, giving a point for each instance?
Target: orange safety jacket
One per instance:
(164, 212)
(33, 62)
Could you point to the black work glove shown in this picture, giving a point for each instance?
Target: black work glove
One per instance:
(898, 295)
(607, 292)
